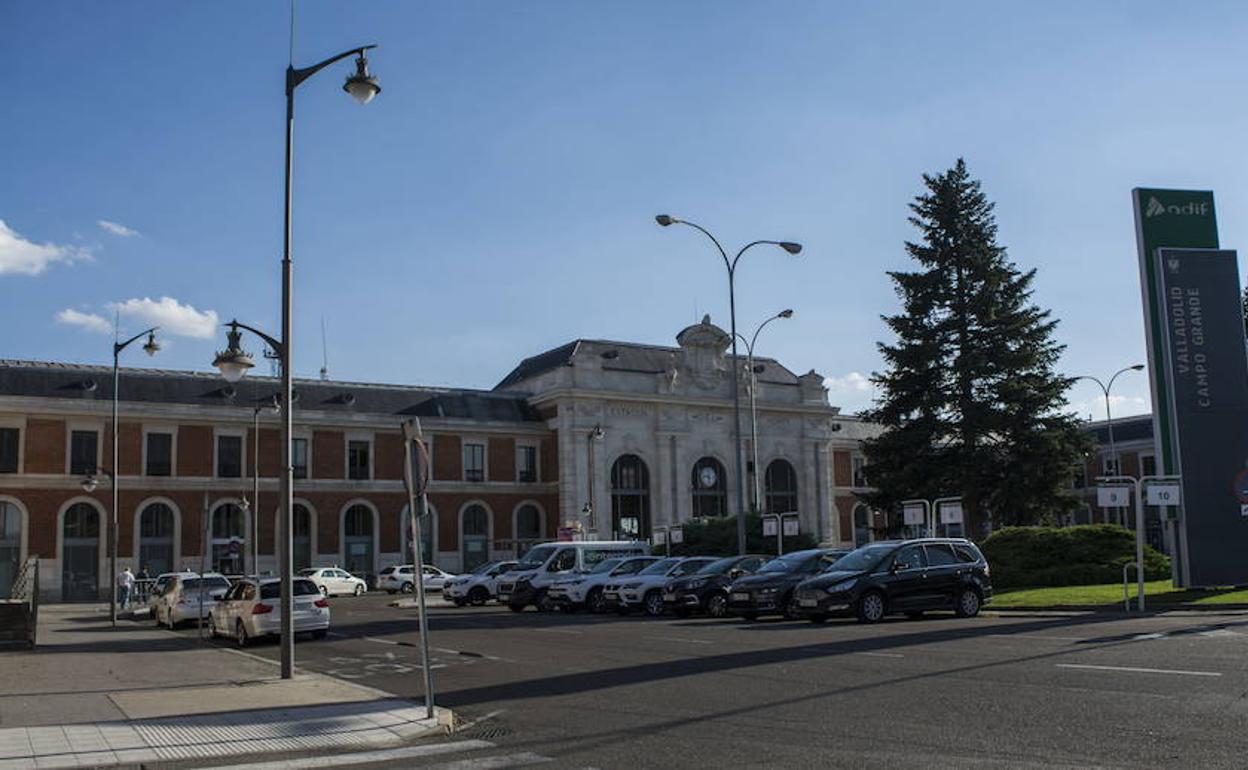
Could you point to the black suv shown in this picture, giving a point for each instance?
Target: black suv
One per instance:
(770, 590)
(707, 589)
(908, 576)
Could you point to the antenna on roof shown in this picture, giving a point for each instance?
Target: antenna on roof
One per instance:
(324, 353)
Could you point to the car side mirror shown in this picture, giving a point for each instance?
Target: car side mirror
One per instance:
(893, 570)
(735, 573)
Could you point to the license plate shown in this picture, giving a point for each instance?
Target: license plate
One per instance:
(669, 597)
(504, 597)
(738, 597)
(808, 602)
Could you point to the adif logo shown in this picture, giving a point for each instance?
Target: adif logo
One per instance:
(1173, 264)
(1156, 208)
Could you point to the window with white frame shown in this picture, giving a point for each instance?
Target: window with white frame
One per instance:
(158, 454)
(10, 449)
(526, 463)
(229, 456)
(84, 446)
(359, 458)
(299, 457)
(474, 462)
(858, 465)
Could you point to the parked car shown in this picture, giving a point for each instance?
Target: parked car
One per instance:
(584, 589)
(645, 590)
(399, 579)
(158, 587)
(188, 597)
(910, 576)
(707, 589)
(770, 590)
(251, 609)
(478, 586)
(545, 564)
(331, 581)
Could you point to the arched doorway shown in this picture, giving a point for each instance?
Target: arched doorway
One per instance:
(710, 488)
(780, 487)
(229, 539)
(428, 535)
(474, 536)
(528, 528)
(630, 498)
(358, 551)
(156, 532)
(301, 532)
(80, 554)
(862, 525)
(10, 546)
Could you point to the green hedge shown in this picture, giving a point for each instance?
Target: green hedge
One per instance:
(718, 537)
(1066, 556)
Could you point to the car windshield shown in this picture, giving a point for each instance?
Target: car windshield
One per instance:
(606, 565)
(210, 584)
(536, 556)
(863, 559)
(308, 572)
(660, 567)
(484, 568)
(689, 567)
(719, 566)
(790, 563)
(273, 590)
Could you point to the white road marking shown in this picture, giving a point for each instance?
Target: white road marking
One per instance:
(379, 641)
(1147, 637)
(478, 720)
(1137, 670)
(492, 763)
(882, 654)
(678, 639)
(363, 757)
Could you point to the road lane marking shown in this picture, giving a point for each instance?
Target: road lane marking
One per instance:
(882, 654)
(379, 641)
(678, 639)
(363, 757)
(1147, 637)
(1138, 670)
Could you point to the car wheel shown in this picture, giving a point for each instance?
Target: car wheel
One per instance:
(542, 602)
(594, 601)
(653, 603)
(818, 618)
(915, 614)
(516, 607)
(871, 607)
(240, 634)
(790, 609)
(717, 606)
(478, 596)
(359, 590)
(408, 588)
(968, 603)
(320, 633)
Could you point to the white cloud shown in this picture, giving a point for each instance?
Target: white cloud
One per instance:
(1122, 406)
(116, 229)
(852, 392)
(171, 316)
(23, 257)
(89, 321)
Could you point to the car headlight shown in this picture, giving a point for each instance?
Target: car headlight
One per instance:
(842, 586)
(768, 590)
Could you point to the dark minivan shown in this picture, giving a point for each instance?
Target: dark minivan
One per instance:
(770, 590)
(909, 576)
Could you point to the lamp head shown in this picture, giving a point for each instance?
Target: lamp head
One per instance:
(90, 483)
(362, 86)
(233, 361)
(1138, 368)
(244, 505)
(598, 432)
(785, 314)
(151, 346)
(666, 219)
(791, 247)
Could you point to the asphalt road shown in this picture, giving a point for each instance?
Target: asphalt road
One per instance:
(610, 692)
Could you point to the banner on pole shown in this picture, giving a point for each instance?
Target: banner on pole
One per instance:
(913, 515)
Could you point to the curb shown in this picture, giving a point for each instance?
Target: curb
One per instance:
(1117, 608)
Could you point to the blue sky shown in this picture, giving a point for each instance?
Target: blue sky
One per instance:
(497, 198)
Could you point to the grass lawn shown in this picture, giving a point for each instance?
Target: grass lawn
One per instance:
(1157, 593)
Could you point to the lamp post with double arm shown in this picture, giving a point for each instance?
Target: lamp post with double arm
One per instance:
(1109, 416)
(666, 220)
(755, 487)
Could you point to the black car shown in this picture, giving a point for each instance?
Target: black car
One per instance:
(770, 590)
(707, 589)
(910, 576)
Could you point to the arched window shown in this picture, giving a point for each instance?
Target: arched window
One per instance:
(229, 538)
(80, 557)
(630, 498)
(474, 538)
(428, 524)
(10, 546)
(357, 540)
(710, 488)
(302, 533)
(528, 528)
(862, 525)
(780, 485)
(156, 539)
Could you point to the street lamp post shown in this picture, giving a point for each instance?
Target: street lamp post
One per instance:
(591, 521)
(1109, 417)
(233, 363)
(755, 488)
(150, 347)
(666, 220)
(254, 505)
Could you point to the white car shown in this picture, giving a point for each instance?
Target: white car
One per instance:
(332, 581)
(645, 591)
(187, 597)
(252, 609)
(399, 579)
(478, 586)
(585, 589)
(158, 587)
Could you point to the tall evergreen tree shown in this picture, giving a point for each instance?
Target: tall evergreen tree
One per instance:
(970, 401)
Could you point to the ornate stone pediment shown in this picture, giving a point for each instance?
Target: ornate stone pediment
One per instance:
(702, 358)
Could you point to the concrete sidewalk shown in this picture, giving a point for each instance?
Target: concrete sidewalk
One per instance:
(96, 695)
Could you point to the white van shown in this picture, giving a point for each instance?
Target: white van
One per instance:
(527, 582)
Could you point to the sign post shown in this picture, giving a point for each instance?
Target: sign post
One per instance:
(416, 479)
(1116, 491)
(779, 525)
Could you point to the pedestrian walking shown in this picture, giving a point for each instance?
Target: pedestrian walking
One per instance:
(125, 582)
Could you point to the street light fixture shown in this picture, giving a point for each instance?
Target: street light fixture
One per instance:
(1109, 417)
(234, 362)
(791, 247)
(755, 486)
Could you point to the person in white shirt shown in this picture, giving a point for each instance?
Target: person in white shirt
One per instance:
(125, 582)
